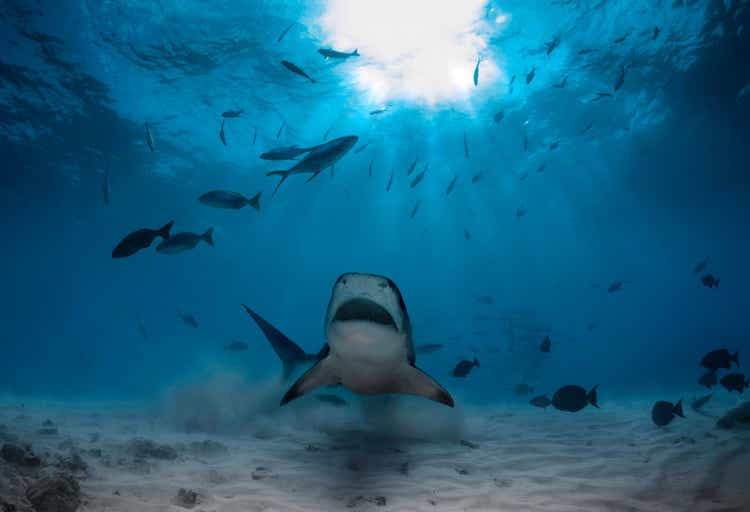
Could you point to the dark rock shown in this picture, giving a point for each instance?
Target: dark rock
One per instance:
(186, 498)
(260, 473)
(73, 464)
(146, 449)
(380, 501)
(57, 493)
(19, 456)
(739, 416)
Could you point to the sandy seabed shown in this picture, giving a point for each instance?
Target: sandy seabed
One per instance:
(501, 458)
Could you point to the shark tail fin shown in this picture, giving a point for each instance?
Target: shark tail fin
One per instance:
(355, 53)
(284, 175)
(255, 201)
(208, 236)
(593, 396)
(164, 232)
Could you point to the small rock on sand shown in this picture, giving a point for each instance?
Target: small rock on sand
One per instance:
(18, 456)
(186, 498)
(736, 417)
(146, 449)
(260, 473)
(380, 501)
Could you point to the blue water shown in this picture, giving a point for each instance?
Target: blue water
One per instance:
(658, 183)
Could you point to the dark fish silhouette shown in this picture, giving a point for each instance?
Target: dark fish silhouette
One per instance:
(554, 145)
(562, 83)
(390, 182)
(281, 129)
(361, 148)
(521, 212)
(541, 168)
(412, 167)
(378, 111)
(499, 116)
(333, 54)
(333, 400)
(698, 403)
(142, 330)
(552, 45)
(620, 80)
(283, 33)
(541, 401)
(546, 345)
(466, 146)
(188, 319)
(149, 138)
(655, 33)
(415, 209)
(663, 412)
(735, 382)
(140, 239)
(229, 200)
(622, 38)
(708, 379)
(530, 76)
(701, 266)
(255, 134)
(232, 114)
(369, 168)
(463, 367)
(296, 69)
(419, 177)
(574, 398)
(476, 73)
(476, 178)
(452, 184)
(616, 286)
(467, 235)
(185, 241)
(222, 135)
(709, 281)
(428, 348)
(720, 358)
(237, 346)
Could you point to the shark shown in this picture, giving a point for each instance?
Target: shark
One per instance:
(369, 346)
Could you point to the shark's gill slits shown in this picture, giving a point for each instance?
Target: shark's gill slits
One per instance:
(364, 309)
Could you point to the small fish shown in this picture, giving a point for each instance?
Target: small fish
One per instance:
(281, 128)
(378, 111)
(296, 69)
(708, 379)
(720, 359)
(655, 33)
(622, 38)
(188, 319)
(333, 54)
(601, 95)
(476, 178)
(232, 114)
(530, 76)
(466, 146)
(463, 368)
(415, 209)
(522, 390)
(452, 184)
(521, 212)
(709, 281)
(149, 139)
(620, 80)
(663, 412)
(369, 169)
(541, 401)
(390, 182)
(552, 45)
(222, 135)
(486, 299)
(283, 33)
(698, 403)
(255, 134)
(541, 168)
(467, 235)
(546, 345)
(499, 116)
(701, 266)
(590, 326)
(585, 51)
(735, 382)
(476, 73)
(616, 286)
(554, 145)
(105, 185)
(419, 177)
(182, 242)
(574, 398)
(523, 176)
(412, 167)
(469, 444)
(142, 330)
(236, 346)
(140, 239)
(362, 147)
(229, 200)
(330, 399)
(563, 83)
(428, 348)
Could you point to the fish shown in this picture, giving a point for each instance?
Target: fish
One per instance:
(281, 128)
(378, 111)
(616, 286)
(720, 359)
(371, 352)
(232, 114)
(369, 168)
(464, 367)
(412, 167)
(140, 239)
(428, 348)
(523, 176)
(296, 69)
(735, 382)
(655, 33)
(452, 184)
(541, 401)
(700, 266)
(552, 45)
(622, 38)
(237, 346)
(181, 242)
(469, 444)
(105, 186)
(530, 76)
(333, 54)
(620, 80)
(541, 168)
(284, 153)
(585, 51)
(188, 319)
(149, 138)
(419, 177)
(222, 135)
(229, 200)
(289, 353)
(554, 145)
(709, 281)
(390, 182)
(590, 326)
(708, 379)
(561, 84)
(574, 398)
(255, 134)
(333, 400)
(466, 146)
(476, 73)
(522, 390)
(142, 330)
(415, 209)
(361, 148)
(283, 33)
(521, 212)
(600, 95)
(499, 116)
(663, 412)
(467, 235)
(318, 159)
(698, 403)
(546, 345)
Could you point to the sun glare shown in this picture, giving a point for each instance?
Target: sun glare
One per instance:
(417, 50)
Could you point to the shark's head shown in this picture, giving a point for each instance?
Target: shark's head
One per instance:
(367, 309)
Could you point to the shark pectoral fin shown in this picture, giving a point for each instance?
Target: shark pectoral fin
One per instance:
(414, 381)
(321, 374)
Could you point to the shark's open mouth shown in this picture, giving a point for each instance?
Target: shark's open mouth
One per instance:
(364, 310)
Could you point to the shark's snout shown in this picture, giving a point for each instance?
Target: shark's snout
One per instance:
(364, 310)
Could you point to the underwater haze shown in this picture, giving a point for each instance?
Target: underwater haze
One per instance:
(543, 205)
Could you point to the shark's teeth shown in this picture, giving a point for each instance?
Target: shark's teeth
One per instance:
(364, 310)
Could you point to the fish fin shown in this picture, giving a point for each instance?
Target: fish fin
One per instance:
(313, 176)
(735, 358)
(208, 236)
(413, 381)
(355, 52)
(593, 397)
(284, 175)
(678, 409)
(255, 201)
(321, 374)
(164, 230)
(476, 362)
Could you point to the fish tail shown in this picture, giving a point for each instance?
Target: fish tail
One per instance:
(164, 230)
(593, 397)
(356, 52)
(678, 409)
(208, 236)
(255, 201)
(284, 175)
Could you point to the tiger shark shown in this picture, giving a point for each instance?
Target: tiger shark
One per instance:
(369, 348)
